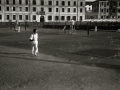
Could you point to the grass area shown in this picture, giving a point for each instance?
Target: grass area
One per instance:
(72, 47)
(65, 62)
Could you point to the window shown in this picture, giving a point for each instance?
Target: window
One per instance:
(7, 8)
(74, 9)
(102, 3)
(8, 17)
(13, 1)
(13, 8)
(74, 17)
(118, 10)
(0, 17)
(68, 17)
(20, 8)
(20, 17)
(114, 11)
(56, 9)
(107, 10)
(42, 2)
(57, 3)
(56, 17)
(63, 10)
(50, 3)
(74, 3)
(101, 17)
(20, 1)
(50, 9)
(118, 16)
(42, 9)
(107, 3)
(26, 2)
(0, 1)
(26, 8)
(101, 10)
(7, 1)
(104, 10)
(0, 8)
(62, 17)
(34, 9)
(26, 17)
(107, 16)
(14, 17)
(34, 17)
(63, 3)
(49, 17)
(34, 2)
(81, 3)
(80, 10)
(89, 8)
(68, 3)
(68, 9)
(80, 18)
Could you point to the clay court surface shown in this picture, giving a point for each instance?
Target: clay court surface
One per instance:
(64, 62)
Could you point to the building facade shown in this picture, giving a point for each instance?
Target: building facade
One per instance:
(33, 10)
(107, 9)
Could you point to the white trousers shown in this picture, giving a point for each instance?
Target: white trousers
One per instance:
(34, 47)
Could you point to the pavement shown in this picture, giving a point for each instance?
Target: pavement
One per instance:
(64, 62)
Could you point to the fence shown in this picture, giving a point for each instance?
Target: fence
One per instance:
(78, 25)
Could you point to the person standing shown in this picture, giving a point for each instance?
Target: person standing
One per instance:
(64, 29)
(73, 26)
(34, 42)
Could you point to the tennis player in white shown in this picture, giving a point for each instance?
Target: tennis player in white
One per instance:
(34, 42)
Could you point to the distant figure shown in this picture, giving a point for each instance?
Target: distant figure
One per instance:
(95, 28)
(64, 28)
(17, 26)
(73, 26)
(34, 42)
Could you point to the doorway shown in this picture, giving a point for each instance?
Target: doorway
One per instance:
(42, 19)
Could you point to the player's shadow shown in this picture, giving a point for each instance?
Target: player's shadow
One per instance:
(8, 53)
(28, 56)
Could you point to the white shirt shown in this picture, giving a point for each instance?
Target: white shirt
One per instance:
(34, 37)
(73, 22)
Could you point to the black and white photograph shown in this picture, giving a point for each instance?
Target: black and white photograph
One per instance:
(59, 44)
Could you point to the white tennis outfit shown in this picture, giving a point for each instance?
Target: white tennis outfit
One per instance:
(34, 37)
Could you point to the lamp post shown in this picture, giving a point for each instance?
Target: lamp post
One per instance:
(77, 13)
(59, 19)
(77, 10)
(88, 28)
(29, 12)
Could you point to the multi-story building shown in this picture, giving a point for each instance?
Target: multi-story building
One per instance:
(55, 10)
(107, 9)
(88, 10)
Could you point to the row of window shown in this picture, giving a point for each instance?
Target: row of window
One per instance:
(105, 4)
(63, 3)
(107, 17)
(111, 10)
(42, 9)
(14, 17)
